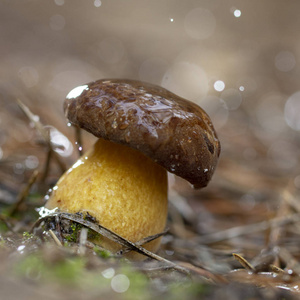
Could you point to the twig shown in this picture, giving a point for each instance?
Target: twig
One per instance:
(44, 133)
(58, 228)
(57, 241)
(114, 237)
(217, 278)
(247, 229)
(23, 194)
(143, 241)
(47, 165)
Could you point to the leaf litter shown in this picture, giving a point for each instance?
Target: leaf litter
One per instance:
(216, 247)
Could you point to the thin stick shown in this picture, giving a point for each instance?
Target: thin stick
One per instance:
(44, 133)
(247, 229)
(143, 241)
(47, 165)
(57, 241)
(114, 237)
(23, 194)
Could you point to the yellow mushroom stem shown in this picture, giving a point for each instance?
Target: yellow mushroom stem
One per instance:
(122, 188)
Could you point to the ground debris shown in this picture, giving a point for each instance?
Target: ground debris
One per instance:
(238, 238)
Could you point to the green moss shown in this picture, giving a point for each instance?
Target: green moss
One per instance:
(102, 252)
(93, 235)
(74, 232)
(76, 272)
(179, 290)
(27, 235)
(139, 285)
(68, 271)
(72, 236)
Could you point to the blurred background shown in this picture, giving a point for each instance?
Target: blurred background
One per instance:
(239, 60)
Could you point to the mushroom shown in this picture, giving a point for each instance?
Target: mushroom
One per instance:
(143, 131)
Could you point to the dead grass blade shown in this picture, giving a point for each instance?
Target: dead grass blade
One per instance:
(243, 262)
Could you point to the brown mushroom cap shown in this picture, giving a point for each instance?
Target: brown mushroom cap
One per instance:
(174, 132)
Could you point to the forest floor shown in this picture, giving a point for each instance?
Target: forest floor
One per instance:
(237, 238)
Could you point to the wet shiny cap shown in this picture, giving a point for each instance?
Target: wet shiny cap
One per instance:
(174, 132)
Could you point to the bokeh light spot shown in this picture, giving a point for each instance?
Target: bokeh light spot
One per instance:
(219, 85)
(19, 168)
(31, 162)
(237, 13)
(120, 283)
(97, 3)
(108, 273)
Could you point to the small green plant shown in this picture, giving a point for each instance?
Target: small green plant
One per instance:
(102, 252)
(27, 235)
